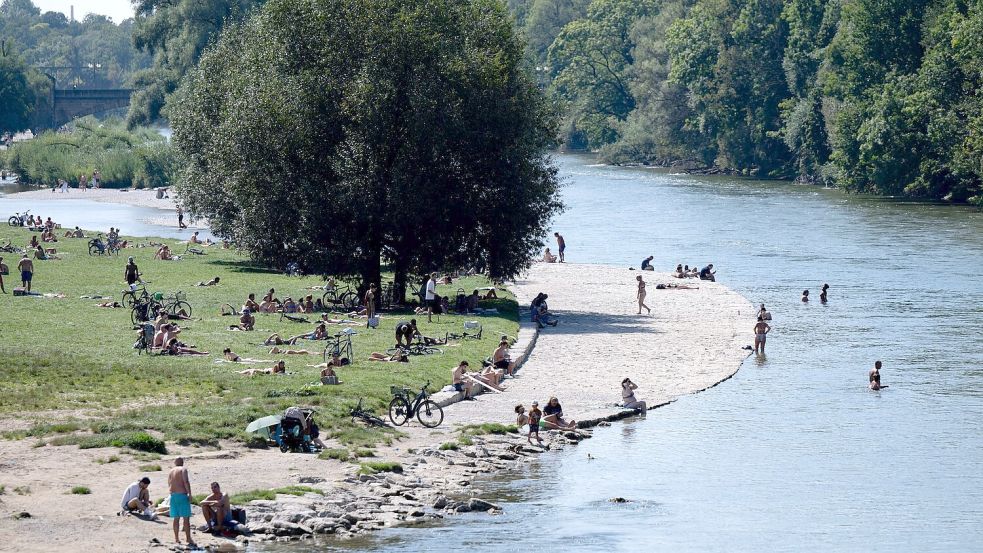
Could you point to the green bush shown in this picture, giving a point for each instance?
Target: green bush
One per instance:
(341, 454)
(81, 490)
(379, 466)
(137, 158)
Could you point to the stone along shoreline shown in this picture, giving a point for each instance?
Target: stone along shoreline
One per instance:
(692, 341)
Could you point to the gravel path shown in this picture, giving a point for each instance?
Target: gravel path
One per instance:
(691, 341)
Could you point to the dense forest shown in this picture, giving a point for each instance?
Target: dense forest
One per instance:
(876, 96)
(879, 96)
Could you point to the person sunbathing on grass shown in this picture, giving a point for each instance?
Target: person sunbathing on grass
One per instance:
(111, 304)
(230, 355)
(278, 368)
(270, 303)
(274, 350)
(177, 348)
(212, 282)
(246, 322)
(398, 357)
(329, 377)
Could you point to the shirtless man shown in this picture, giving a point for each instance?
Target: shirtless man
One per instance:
(460, 383)
(217, 510)
(641, 295)
(874, 377)
(179, 485)
(247, 321)
(26, 268)
(764, 314)
(561, 246)
(761, 330)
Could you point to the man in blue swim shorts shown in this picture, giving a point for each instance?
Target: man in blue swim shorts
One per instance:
(180, 487)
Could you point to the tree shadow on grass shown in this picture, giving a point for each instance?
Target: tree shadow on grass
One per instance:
(585, 322)
(244, 267)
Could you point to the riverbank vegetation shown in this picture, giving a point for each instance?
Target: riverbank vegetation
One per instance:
(70, 375)
(876, 96)
(138, 158)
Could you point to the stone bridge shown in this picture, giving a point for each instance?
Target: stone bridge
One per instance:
(67, 104)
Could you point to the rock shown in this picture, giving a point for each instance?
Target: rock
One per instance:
(417, 513)
(310, 480)
(482, 452)
(450, 461)
(154, 542)
(508, 456)
(329, 513)
(469, 454)
(22, 514)
(475, 504)
(462, 508)
(440, 503)
(351, 518)
(365, 478)
(286, 528)
(324, 527)
(619, 500)
(260, 528)
(572, 436)
(409, 496)
(494, 511)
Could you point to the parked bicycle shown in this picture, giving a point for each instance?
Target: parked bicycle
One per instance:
(145, 310)
(402, 408)
(98, 247)
(176, 304)
(340, 299)
(137, 292)
(416, 348)
(18, 219)
(387, 296)
(358, 413)
(341, 346)
(465, 335)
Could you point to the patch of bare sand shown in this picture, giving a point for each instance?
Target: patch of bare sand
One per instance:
(691, 341)
(140, 198)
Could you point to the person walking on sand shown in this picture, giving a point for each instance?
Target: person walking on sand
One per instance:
(561, 245)
(874, 377)
(641, 295)
(761, 330)
(26, 268)
(179, 485)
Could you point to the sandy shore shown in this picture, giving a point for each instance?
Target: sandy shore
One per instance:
(691, 341)
(139, 198)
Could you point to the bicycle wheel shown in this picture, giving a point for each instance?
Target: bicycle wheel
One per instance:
(136, 315)
(93, 250)
(128, 299)
(430, 414)
(179, 306)
(399, 411)
(350, 301)
(13, 221)
(428, 350)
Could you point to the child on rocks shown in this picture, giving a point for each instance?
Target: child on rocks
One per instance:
(534, 417)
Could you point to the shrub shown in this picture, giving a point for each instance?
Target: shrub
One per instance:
(81, 490)
(374, 467)
(449, 446)
(341, 454)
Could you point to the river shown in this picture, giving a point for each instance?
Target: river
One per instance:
(793, 453)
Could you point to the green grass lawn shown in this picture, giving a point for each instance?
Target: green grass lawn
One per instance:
(67, 355)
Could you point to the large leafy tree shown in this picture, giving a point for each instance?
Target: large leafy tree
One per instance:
(175, 33)
(17, 98)
(341, 133)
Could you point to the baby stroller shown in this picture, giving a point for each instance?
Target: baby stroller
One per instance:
(290, 436)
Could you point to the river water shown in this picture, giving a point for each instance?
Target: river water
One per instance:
(793, 453)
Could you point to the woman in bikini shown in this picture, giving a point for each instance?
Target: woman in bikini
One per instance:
(641, 295)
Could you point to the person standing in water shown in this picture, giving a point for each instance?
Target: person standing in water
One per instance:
(561, 245)
(805, 296)
(874, 377)
(641, 295)
(180, 218)
(761, 330)
(822, 295)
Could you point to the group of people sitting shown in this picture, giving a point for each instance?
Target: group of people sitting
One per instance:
(549, 418)
(540, 313)
(166, 337)
(706, 273)
(164, 253)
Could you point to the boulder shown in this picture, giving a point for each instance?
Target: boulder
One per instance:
(440, 502)
(475, 504)
(324, 527)
(310, 480)
(287, 528)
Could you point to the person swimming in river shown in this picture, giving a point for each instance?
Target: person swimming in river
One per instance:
(822, 295)
(805, 296)
(874, 377)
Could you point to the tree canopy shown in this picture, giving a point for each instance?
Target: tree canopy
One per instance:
(878, 96)
(337, 134)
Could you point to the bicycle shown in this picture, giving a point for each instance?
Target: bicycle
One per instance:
(137, 292)
(387, 296)
(358, 412)
(416, 348)
(345, 298)
(402, 408)
(97, 247)
(466, 335)
(175, 304)
(145, 310)
(342, 347)
(18, 219)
